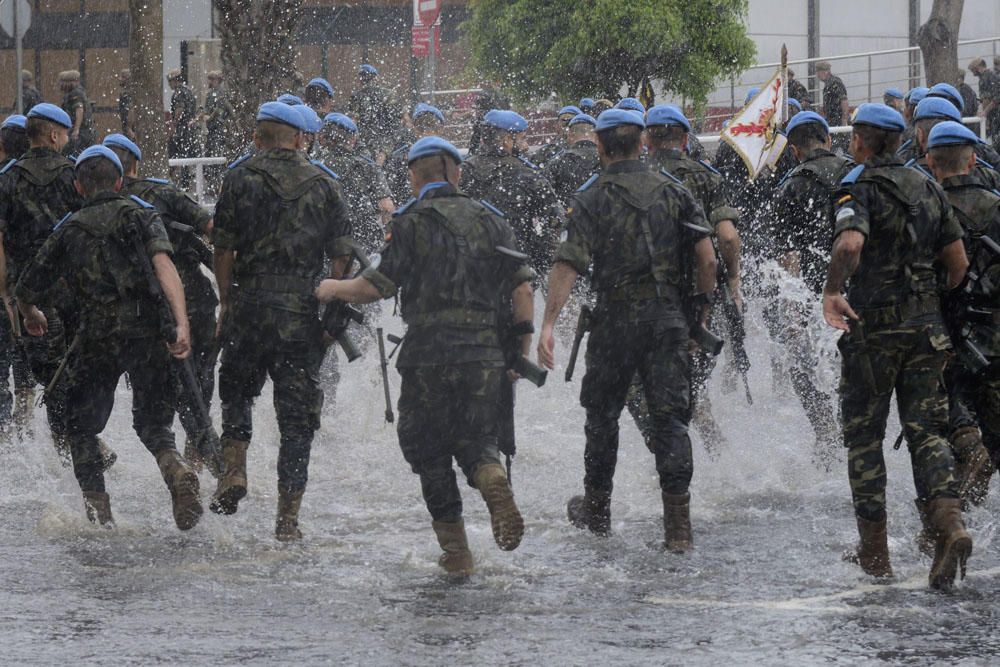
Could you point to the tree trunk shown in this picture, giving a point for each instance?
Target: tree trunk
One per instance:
(938, 40)
(258, 54)
(146, 83)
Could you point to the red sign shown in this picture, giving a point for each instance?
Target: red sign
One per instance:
(428, 11)
(421, 41)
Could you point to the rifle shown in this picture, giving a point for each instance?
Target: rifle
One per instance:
(961, 313)
(207, 439)
(205, 255)
(737, 337)
(584, 323)
(338, 315)
(389, 417)
(510, 342)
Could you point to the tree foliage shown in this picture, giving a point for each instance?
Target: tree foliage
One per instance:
(595, 47)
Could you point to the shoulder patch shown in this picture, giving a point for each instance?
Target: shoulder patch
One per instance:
(527, 162)
(673, 178)
(161, 181)
(64, 219)
(904, 147)
(590, 181)
(492, 208)
(240, 160)
(329, 172)
(405, 207)
(708, 166)
(7, 166)
(141, 202)
(853, 175)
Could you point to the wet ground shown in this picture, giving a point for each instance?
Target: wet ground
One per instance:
(765, 584)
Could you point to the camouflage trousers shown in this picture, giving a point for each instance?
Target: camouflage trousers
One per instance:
(656, 352)
(13, 360)
(448, 413)
(204, 353)
(92, 374)
(44, 354)
(908, 360)
(974, 400)
(261, 342)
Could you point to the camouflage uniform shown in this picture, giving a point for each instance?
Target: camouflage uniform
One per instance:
(376, 116)
(526, 199)
(441, 257)
(571, 168)
(363, 185)
(640, 325)
(36, 193)
(900, 344)
(986, 175)
(282, 216)
(397, 173)
(185, 222)
(77, 99)
(119, 330)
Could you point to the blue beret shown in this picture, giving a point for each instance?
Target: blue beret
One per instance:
(51, 112)
(121, 141)
(367, 69)
(613, 118)
(429, 146)
(916, 94)
(582, 118)
(950, 133)
(278, 112)
(880, 116)
(506, 120)
(341, 121)
(575, 110)
(100, 151)
(936, 107)
(893, 92)
(15, 120)
(320, 82)
(422, 109)
(948, 92)
(289, 99)
(587, 102)
(795, 104)
(313, 123)
(631, 104)
(752, 93)
(667, 114)
(804, 117)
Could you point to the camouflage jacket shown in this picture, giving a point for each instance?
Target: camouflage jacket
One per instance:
(219, 110)
(397, 173)
(987, 176)
(571, 168)
(442, 256)
(637, 227)
(703, 181)
(906, 220)
(91, 250)
(77, 99)
(363, 185)
(36, 192)
(186, 222)
(802, 220)
(282, 216)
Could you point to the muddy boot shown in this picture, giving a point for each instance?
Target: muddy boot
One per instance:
(973, 466)
(183, 484)
(98, 508)
(233, 483)
(508, 526)
(953, 546)
(24, 412)
(108, 456)
(193, 456)
(286, 528)
(872, 553)
(456, 559)
(677, 523)
(591, 511)
(925, 538)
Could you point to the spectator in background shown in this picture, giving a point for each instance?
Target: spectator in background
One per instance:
(29, 94)
(836, 108)
(798, 91)
(125, 104)
(989, 95)
(217, 117)
(80, 110)
(969, 99)
(894, 97)
(183, 133)
(374, 113)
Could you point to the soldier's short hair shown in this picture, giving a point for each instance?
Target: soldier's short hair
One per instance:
(976, 63)
(791, 73)
(823, 66)
(432, 168)
(807, 135)
(126, 157)
(877, 140)
(97, 175)
(27, 77)
(69, 75)
(621, 141)
(14, 141)
(173, 74)
(215, 74)
(273, 134)
(952, 159)
(36, 128)
(670, 135)
(426, 121)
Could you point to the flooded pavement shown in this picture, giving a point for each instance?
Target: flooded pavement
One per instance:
(764, 585)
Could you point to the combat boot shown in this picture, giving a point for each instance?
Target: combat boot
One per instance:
(953, 546)
(925, 538)
(286, 528)
(872, 553)
(591, 511)
(108, 456)
(677, 523)
(508, 526)
(456, 559)
(183, 484)
(24, 412)
(233, 482)
(973, 466)
(98, 507)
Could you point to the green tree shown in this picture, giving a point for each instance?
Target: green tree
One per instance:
(595, 47)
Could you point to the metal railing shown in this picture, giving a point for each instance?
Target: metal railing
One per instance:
(199, 164)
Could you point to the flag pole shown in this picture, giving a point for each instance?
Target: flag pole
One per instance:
(784, 82)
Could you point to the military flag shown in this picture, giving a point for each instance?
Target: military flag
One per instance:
(753, 132)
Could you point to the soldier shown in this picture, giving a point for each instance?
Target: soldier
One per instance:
(891, 225)
(218, 117)
(969, 100)
(514, 186)
(894, 98)
(798, 91)
(489, 98)
(313, 126)
(182, 132)
(125, 104)
(973, 384)
(451, 260)
(375, 113)
(907, 146)
(319, 96)
(427, 121)
(638, 228)
(90, 250)
(80, 110)
(836, 108)
(631, 104)
(29, 94)
(571, 168)
(799, 233)
(989, 95)
(185, 223)
(559, 142)
(930, 112)
(277, 218)
(362, 183)
(13, 139)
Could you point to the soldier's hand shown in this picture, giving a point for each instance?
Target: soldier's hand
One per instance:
(35, 322)
(512, 376)
(836, 311)
(547, 349)
(181, 348)
(326, 291)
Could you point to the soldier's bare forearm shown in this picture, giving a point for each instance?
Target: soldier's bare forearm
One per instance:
(954, 259)
(523, 307)
(223, 266)
(339, 265)
(729, 247)
(706, 266)
(561, 279)
(843, 261)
